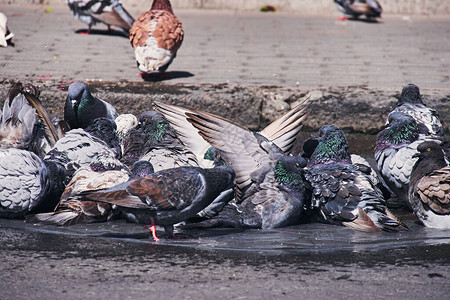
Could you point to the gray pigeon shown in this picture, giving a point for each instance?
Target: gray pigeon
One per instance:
(80, 146)
(109, 12)
(270, 186)
(410, 102)
(394, 152)
(156, 141)
(81, 108)
(125, 122)
(28, 184)
(169, 196)
(342, 193)
(429, 187)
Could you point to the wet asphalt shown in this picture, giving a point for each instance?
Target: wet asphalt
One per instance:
(118, 261)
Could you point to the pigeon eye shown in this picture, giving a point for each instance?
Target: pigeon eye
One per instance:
(393, 121)
(428, 149)
(296, 165)
(322, 134)
(145, 120)
(218, 156)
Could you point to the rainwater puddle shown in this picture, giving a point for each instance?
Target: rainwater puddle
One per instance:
(299, 239)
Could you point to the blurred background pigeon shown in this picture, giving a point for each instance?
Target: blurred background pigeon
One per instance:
(356, 8)
(5, 35)
(108, 12)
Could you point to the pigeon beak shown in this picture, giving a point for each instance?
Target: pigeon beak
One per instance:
(416, 155)
(74, 102)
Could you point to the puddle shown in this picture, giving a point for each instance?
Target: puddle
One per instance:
(299, 239)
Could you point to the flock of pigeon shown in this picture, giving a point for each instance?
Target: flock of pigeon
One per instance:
(186, 167)
(174, 165)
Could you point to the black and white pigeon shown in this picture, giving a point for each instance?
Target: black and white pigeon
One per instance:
(410, 102)
(342, 193)
(270, 185)
(81, 108)
(108, 12)
(356, 8)
(104, 172)
(28, 184)
(429, 189)
(80, 146)
(169, 196)
(394, 152)
(156, 141)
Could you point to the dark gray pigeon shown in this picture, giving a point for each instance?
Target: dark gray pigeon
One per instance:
(156, 141)
(80, 146)
(342, 193)
(169, 196)
(108, 12)
(104, 172)
(81, 108)
(356, 8)
(270, 187)
(429, 189)
(28, 184)
(394, 152)
(410, 102)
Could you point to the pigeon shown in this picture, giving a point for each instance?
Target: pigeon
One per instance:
(124, 122)
(156, 141)
(356, 8)
(5, 35)
(155, 37)
(205, 154)
(410, 102)
(81, 108)
(25, 123)
(167, 197)
(429, 186)
(270, 185)
(103, 172)
(342, 193)
(28, 184)
(80, 146)
(108, 12)
(394, 150)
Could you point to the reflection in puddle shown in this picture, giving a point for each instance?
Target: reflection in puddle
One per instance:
(299, 239)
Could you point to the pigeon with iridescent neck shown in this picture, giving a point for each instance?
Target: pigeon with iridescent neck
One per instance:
(270, 185)
(81, 108)
(155, 37)
(410, 102)
(155, 140)
(429, 187)
(394, 152)
(342, 193)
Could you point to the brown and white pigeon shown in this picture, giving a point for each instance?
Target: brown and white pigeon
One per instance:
(156, 36)
(109, 12)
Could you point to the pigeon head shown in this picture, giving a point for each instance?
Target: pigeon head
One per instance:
(155, 125)
(430, 157)
(332, 147)
(105, 162)
(141, 169)
(125, 122)
(214, 155)
(78, 93)
(401, 129)
(410, 94)
(162, 5)
(105, 129)
(289, 172)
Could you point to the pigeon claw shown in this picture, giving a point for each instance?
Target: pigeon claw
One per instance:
(342, 18)
(152, 230)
